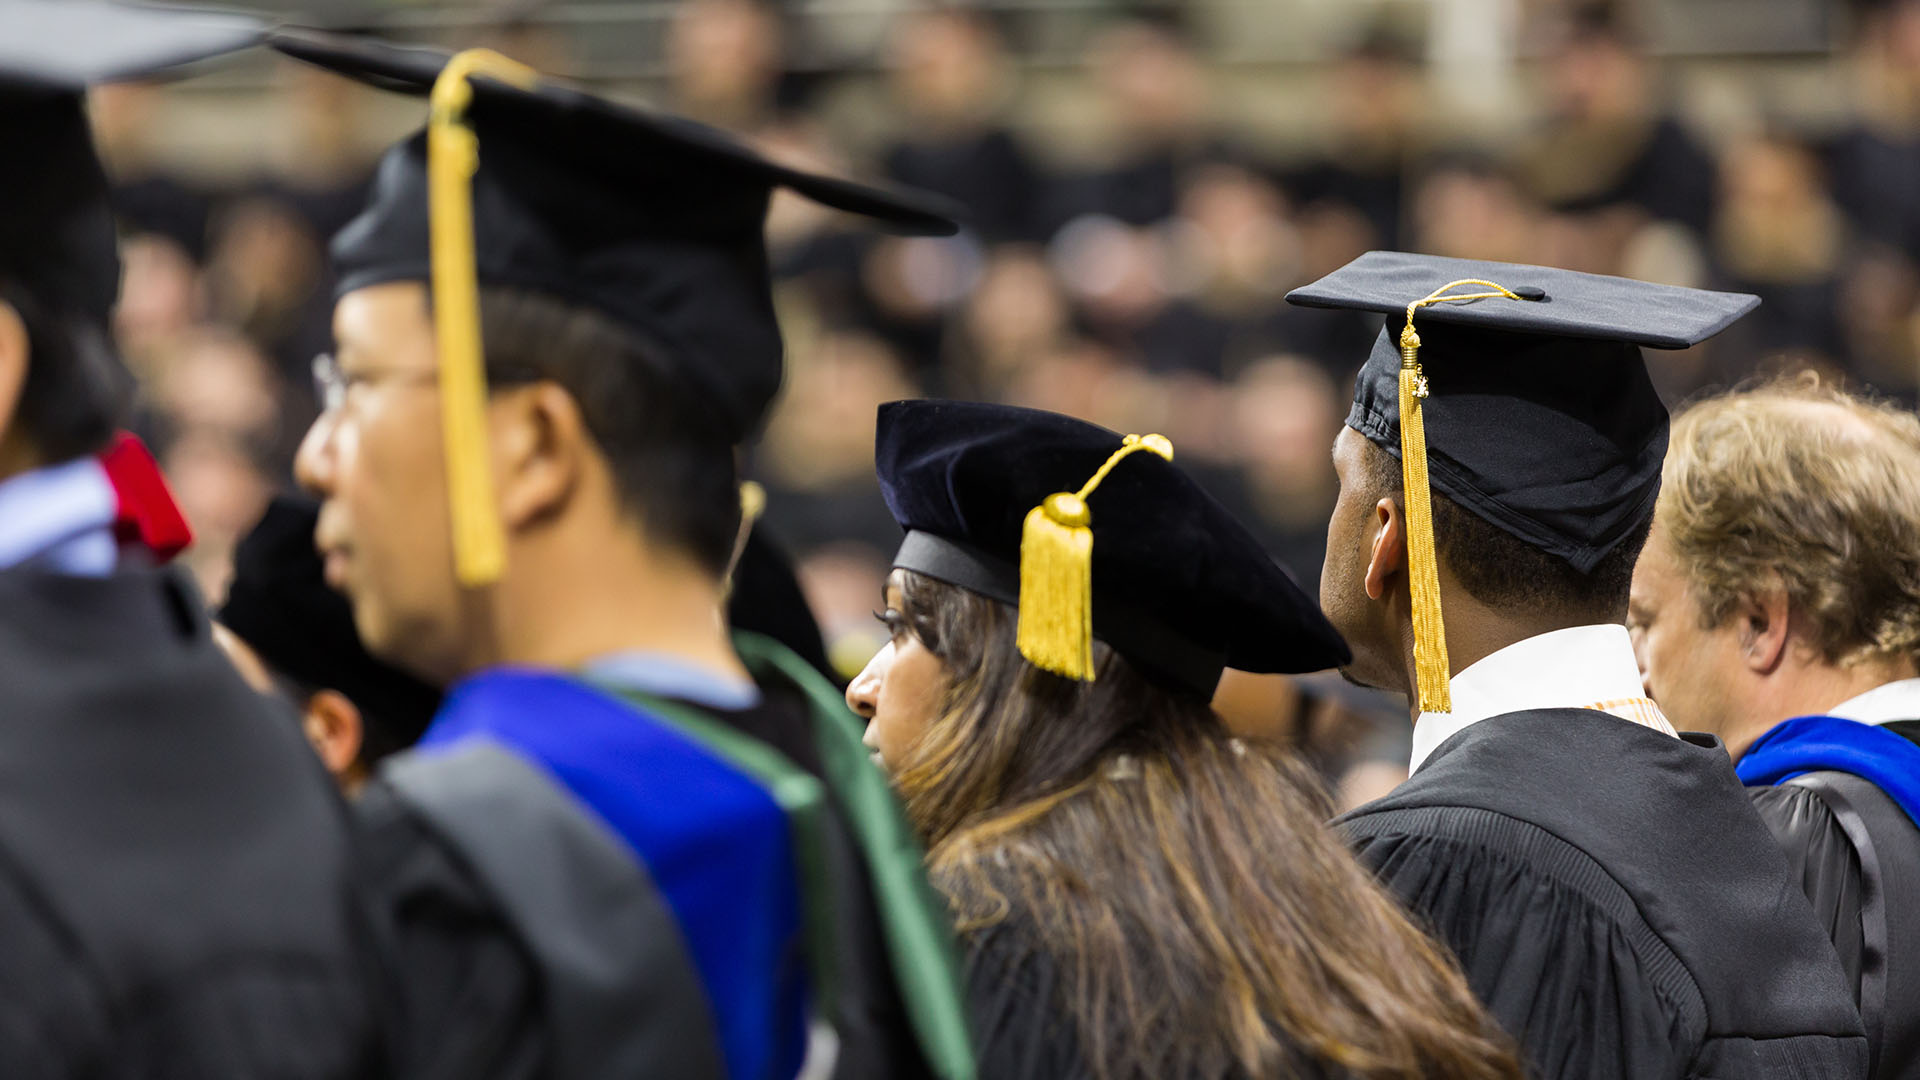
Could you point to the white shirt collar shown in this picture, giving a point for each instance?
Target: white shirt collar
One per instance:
(60, 517)
(1574, 668)
(1898, 700)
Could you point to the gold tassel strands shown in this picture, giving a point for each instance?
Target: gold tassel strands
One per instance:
(453, 154)
(1056, 572)
(1432, 673)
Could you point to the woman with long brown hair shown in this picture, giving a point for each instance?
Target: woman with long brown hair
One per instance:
(1139, 894)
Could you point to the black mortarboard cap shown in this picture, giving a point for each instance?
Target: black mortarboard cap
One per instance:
(652, 220)
(649, 218)
(280, 605)
(1179, 587)
(1538, 414)
(57, 236)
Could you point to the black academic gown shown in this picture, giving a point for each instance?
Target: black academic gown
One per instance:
(174, 886)
(1615, 902)
(1857, 856)
(525, 943)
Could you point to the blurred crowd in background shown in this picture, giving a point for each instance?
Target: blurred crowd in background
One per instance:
(1125, 261)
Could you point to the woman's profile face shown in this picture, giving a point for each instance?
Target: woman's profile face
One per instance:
(900, 691)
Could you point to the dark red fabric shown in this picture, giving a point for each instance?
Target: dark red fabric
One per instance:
(147, 514)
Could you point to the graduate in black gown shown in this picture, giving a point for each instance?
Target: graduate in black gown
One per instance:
(293, 637)
(1044, 707)
(1777, 605)
(1610, 892)
(175, 900)
(629, 844)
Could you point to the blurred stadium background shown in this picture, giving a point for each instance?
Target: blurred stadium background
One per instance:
(1144, 184)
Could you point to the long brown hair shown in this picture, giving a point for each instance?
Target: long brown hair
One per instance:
(1205, 922)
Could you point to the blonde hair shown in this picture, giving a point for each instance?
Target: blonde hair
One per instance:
(1796, 484)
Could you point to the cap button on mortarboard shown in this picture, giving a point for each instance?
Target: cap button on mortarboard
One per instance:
(1529, 292)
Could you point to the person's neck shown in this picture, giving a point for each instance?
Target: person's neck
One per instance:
(566, 604)
(1806, 687)
(1477, 633)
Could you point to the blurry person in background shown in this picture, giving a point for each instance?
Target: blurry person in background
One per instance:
(129, 126)
(951, 82)
(1608, 139)
(1873, 163)
(178, 898)
(632, 842)
(724, 59)
(1015, 316)
(217, 408)
(1285, 415)
(1141, 895)
(1778, 234)
(816, 457)
(1466, 206)
(266, 277)
(1376, 109)
(292, 637)
(1777, 605)
(1153, 91)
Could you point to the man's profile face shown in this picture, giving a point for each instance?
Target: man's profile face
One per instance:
(1693, 673)
(375, 458)
(1366, 623)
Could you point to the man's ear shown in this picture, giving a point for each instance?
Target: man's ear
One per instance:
(1389, 553)
(541, 450)
(334, 727)
(1761, 620)
(14, 357)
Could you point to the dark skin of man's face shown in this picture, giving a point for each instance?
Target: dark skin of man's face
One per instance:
(1361, 520)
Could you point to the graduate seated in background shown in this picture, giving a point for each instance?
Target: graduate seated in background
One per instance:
(1605, 883)
(1142, 896)
(1777, 605)
(629, 844)
(292, 637)
(177, 885)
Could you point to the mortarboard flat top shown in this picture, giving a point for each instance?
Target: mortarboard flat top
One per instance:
(620, 136)
(1180, 587)
(1559, 303)
(1541, 418)
(653, 220)
(74, 44)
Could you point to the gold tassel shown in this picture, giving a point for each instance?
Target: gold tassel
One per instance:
(1055, 631)
(1432, 673)
(753, 503)
(453, 154)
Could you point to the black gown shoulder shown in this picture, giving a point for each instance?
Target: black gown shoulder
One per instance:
(1856, 855)
(465, 988)
(1020, 1031)
(175, 865)
(1604, 886)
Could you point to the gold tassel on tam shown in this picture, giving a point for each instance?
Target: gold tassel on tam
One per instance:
(453, 153)
(1056, 572)
(1432, 673)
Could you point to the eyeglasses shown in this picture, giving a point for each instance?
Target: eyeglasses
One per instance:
(329, 384)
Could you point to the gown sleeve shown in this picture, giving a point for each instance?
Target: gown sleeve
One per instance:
(1559, 974)
(1823, 860)
(463, 985)
(1019, 1031)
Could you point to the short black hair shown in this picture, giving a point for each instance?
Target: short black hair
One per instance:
(671, 461)
(77, 391)
(1505, 572)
